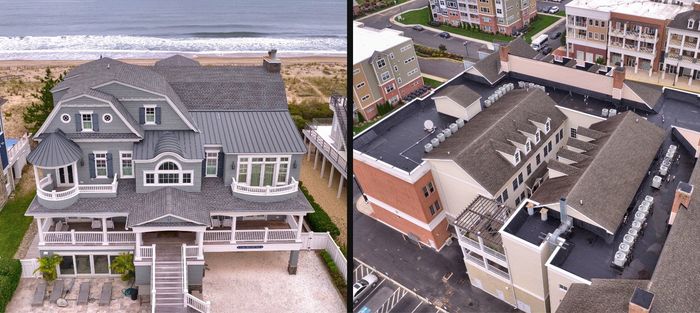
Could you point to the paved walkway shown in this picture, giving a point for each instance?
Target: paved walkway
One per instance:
(326, 196)
(259, 282)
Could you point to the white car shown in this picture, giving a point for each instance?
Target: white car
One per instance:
(361, 287)
(553, 10)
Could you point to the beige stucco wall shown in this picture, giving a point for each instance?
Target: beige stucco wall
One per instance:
(495, 286)
(527, 270)
(527, 301)
(448, 106)
(556, 277)
(573, 77)
(457, 189)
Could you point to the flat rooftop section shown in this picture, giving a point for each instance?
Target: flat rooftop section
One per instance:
(587, 255)
(648, 9)
(374, 40)
(531, 228)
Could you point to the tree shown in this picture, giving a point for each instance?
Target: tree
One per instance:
(38, 111)
(600, 60)
(124, 264)
(47, 267)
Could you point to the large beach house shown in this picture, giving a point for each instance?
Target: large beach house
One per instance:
(167, 162)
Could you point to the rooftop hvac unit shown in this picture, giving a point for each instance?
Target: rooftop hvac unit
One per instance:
(636, 225)
(491, 98)
(620, 258)
(604, 113)
(428, 147)
(447, 132)
(530, 85)
(628, 239)
(613, 112)
(521, 84)
(453, 127)
(511, 86)
(640, 216)
(650, 199)
(656, 181)
(624, 247)
(643, 208)
(542, 88)
(488, 102)
(434, 142)
(441, 137)
(633, 232)
(460, 122)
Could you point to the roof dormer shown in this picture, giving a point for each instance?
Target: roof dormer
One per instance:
(691, 23)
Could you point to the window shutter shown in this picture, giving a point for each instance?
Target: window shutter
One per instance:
(78, 120)
(95, 122)
(91, 165)
(220, 165)
(110, 172)
(158, 115)
(204, 165)
(142, 116)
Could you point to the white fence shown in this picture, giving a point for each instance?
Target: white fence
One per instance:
(319, 241)
(28, 267)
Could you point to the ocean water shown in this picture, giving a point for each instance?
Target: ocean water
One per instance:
(86, 29)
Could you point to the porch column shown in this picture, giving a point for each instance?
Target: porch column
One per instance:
(340, 186)
(293, 260)
(75, 174)
(636, 65)
(690, 79)
(40, 225)
(233, 229)
(200, 245)
(300, 227)
(104, 230)
(36, 176)
(308, 154)
(678, 71)
(316, 158)
(137, 252)
(323, 166)
(330, 176)
(663, 71)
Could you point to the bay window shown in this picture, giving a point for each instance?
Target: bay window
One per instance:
(168, 173)
(263, 171)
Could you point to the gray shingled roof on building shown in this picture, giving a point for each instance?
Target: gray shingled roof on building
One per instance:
(219, 88)
(185, 143)
(652, 95)
(93, 136)
(587, 132)
(608, 182)
(250, 131)
(519, 47)
(580, 144)
(490, 67)
(169, 201)
(680, 21)
(55, 150)
(573, 156)
(176, 60)
(214, 197)
(562, 167)
(460, 94)
(602, 296)
(475, 146)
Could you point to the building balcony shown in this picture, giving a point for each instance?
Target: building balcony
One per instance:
(253, 231)
(675, 42)
(465, 239)
(84, 232)
(244, 189)
(47, 189)
(690, 45)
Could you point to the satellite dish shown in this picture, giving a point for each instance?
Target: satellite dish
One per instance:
(428, 124)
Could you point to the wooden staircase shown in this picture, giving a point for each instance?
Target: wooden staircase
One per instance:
(168, 279)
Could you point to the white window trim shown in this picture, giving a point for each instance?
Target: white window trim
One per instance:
(92, 263)
(538, 136)
(360, 85)
(528, 146)
(216, 168)
(145, 114)
(104, 118)
(377, 63)
(106, 165)
(121, 169)
(155, 173)
(381, 76)
(275, 174)
(69, 118)
(517, 157)
(547, 126)
(82, 123)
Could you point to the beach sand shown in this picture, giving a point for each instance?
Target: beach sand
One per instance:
(307, 78)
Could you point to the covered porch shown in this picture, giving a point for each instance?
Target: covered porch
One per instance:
(84, 230)
(254, 228)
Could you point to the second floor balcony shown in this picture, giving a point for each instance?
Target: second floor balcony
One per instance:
(242, 188)
(51, 189)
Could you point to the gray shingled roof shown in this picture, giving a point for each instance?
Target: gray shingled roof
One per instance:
(573, 156)
(220, 88)
(55, 150)
(490, 67)
(185, 143)
(176, 60)
(652, 95)
(118, 105)
(93, 136)
(475, 146)
(608, 181)
(680, 21)
(461, 94)
(214, 197)
(602, 296)
(250, 131)
(519, 47)
(166, 202)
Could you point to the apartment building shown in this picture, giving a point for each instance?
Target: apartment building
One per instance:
(385, 69)
(628, 33)
(167, 162)
(493, 16)
(682, 47)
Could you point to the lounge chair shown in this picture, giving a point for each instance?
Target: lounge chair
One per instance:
(59, 226)
(110, 224)
(228, 222)
(39, 294)
(57, 291)
(96, 224)
(84, 293)
(106, 295)
(215, 222)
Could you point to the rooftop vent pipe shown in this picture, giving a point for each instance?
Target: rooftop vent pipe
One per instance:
(566, 223)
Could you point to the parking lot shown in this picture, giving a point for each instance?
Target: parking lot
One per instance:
(388, 296)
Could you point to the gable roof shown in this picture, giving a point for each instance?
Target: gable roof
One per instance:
(170, 202)
(475, 147)
(460, 94)
(608, 180)
(680, 21)
(490, 68)
(519, 47)
(55, 150)
(184, 143)
(652, 95)
(176, 60)
(603, 296)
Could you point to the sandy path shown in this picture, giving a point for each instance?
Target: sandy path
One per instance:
(325, 196)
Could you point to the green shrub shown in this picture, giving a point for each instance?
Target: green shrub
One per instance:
(10, 272)
(48, 267)
(319, 221)
(336, 276)
(304, 112)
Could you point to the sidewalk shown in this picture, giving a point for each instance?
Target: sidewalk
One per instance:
(435, 30)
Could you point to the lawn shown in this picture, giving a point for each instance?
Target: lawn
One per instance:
(377, 8)
(538, 24)
(422, 17)
(431, 82)
(13, 222)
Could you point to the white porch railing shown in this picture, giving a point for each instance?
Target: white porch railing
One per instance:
(54, 195)
(147, 252)
(190, 251)
(261, 235)
(152, 252)
(292, 187)
(197, 304)
(190, 300)
(19, 148)
(88, 237)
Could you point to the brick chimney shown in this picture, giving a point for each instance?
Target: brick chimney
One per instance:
(618, 80)
(271, 63)
(696, 6)
(682, 197)
(641, 301)
(503, 51)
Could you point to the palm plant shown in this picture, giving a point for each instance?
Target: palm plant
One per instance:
(124, 264)
(48, 267)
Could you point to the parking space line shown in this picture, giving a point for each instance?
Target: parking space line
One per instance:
(369, 295)
(417, 306)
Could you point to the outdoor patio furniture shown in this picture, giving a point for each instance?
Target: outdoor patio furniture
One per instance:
(68, 286)
(106, 295)
(57, 291)
(59, 226)
(228, 222)
(110, 224)
(96, 224)
(215, 222)
(84, 293)
(39, 293)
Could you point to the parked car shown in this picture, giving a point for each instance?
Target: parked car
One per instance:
(546, 50)
(555, 35)
(553, 10)
(418, 28)
(445, 35)
(360, 288)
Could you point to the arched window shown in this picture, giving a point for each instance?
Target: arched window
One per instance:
(168, 173)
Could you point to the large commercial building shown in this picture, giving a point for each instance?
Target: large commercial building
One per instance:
(682, 47)
(384, 68)
(492, 16)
